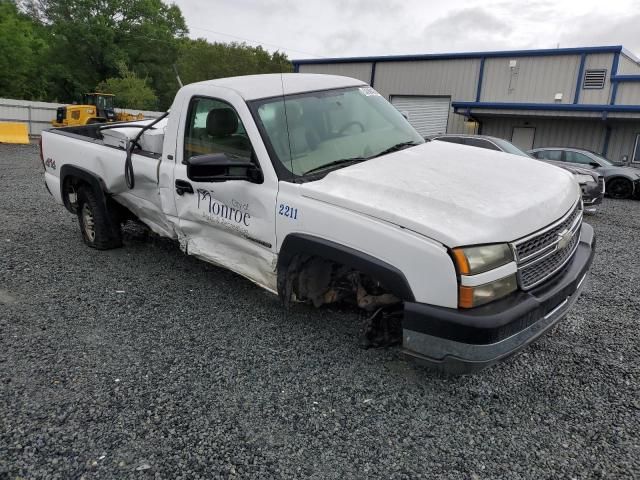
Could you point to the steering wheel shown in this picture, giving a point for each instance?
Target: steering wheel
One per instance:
(348, 125)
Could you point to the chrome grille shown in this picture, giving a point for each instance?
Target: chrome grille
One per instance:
(541, 255)
(533, 274)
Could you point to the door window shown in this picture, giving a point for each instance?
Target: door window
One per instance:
(213, 126)
(550, 155)
(575, 157)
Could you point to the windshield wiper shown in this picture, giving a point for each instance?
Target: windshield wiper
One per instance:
(396, 147)
(336, 162)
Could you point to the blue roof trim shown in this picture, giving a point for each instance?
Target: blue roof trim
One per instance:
(625, 78)
(614, 72)
(570, 107)
(576, 96)
(465, 55)
(480, 75)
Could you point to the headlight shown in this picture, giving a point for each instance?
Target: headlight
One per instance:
(472, 260)
(585, 179)
(480, 259)
(470, 297)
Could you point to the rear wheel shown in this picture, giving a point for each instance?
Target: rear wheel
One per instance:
(99, 227)
(619, 188)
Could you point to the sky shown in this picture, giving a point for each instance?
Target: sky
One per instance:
(340, 28)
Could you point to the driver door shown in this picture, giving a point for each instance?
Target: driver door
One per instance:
(230, 223)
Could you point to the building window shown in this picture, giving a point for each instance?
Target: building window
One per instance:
(594, 79)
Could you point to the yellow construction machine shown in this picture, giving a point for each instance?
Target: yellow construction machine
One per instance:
(97, 108)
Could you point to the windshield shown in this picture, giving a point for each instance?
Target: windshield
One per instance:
(328, 128)
(510, 148)
(104, 102)
(603, 161)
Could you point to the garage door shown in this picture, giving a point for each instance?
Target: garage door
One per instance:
(428, 115)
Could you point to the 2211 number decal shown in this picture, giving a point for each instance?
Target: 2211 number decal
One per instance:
(287, 211)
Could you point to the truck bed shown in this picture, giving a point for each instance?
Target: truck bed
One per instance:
(84, 147)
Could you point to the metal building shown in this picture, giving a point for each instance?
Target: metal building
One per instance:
(573, 97)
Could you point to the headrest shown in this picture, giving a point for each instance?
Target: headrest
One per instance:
(294, 112)
(222, 121)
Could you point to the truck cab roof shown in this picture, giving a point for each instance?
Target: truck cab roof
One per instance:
(254, 87)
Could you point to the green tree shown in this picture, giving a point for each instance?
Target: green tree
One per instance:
(130, 90)
(23, 50)
(90, 38)
(201, 60)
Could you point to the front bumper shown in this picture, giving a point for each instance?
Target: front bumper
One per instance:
(592, 195)
(462, 341)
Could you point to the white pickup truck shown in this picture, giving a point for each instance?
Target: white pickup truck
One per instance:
(317, 189)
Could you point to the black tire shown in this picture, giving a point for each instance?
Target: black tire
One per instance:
(99, 225)
(620, 188)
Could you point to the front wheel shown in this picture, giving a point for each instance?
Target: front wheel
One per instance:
(99, 228)
(619, 188)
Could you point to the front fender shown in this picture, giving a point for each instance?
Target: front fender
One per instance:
(388, 275)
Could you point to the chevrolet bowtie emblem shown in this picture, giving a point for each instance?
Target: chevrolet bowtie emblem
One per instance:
(564, 238)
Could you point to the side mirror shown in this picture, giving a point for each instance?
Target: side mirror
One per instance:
(221, 167)
(594, 164)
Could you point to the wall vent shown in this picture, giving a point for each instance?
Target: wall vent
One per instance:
(594, 79)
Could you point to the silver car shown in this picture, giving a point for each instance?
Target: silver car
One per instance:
(591, 182)
(621, 181)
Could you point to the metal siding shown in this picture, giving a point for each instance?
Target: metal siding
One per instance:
(627, 66)
(497, 127)
(454, 78)
(38, 115)
(624, 115)
(597, 96)
(361, 71)
(428, 115)
(622, 141)
(628, 93)
(538, 79)
(587, 134)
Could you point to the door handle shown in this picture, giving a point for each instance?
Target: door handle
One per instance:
(182, 187)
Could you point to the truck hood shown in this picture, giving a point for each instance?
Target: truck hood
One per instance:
(455, 194)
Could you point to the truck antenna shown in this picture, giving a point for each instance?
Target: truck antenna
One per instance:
(286, 121)
(175, 69)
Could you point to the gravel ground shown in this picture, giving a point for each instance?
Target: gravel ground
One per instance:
(144, 363)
